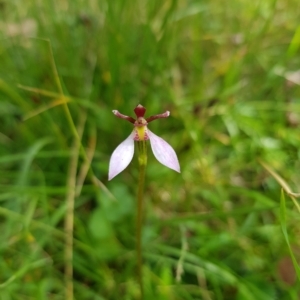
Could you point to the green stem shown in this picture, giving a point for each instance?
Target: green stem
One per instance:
(142, 158)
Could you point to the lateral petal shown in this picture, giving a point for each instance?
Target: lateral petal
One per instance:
(163, 152)
(121, 157)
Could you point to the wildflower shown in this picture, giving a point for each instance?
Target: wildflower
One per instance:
(123, 154)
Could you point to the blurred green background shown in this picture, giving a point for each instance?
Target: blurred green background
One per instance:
(229, 73)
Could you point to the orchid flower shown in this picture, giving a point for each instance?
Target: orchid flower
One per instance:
(123, 154)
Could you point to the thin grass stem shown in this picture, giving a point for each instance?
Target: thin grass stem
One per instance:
(70, 204)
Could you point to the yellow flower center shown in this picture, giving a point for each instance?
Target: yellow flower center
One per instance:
(141, 131)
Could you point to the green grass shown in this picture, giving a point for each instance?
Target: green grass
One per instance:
(221, 229)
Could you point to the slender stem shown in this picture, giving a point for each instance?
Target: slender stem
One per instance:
(69, 222)
(71, 185)
(139, 219)
(69, 217)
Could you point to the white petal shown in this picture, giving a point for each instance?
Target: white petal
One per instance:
(121, 157)
(163, 152)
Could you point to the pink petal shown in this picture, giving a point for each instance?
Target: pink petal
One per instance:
(121, 157)
(163, 152)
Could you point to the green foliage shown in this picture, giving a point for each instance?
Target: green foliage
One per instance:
(229, 75)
